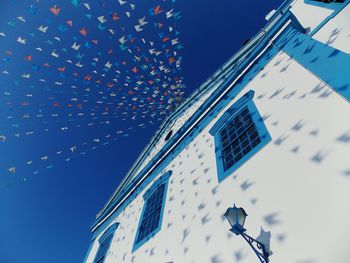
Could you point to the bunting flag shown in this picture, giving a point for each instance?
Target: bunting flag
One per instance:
(69, 66)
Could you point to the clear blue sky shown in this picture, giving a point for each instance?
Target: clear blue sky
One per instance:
(45, 217)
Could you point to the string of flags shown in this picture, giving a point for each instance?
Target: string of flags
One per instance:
(73, 65)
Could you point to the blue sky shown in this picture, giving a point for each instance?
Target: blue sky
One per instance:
(45, 216)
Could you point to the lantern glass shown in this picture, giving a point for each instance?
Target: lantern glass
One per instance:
(241, 216)
(231, 216)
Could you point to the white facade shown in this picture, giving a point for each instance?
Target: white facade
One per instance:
(297, 187)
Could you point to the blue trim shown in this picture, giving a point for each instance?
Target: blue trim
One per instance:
(110, 230)
(89, 250)
(337, 7)
(164, 179)
(234, 108)
(332, 5)
(235, 70)
(296, 24)
(244, 101)
(143, 185)
(329, 64)
(105, 242)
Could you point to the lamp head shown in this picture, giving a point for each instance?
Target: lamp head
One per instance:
(236, 217)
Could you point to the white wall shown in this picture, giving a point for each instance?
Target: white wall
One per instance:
(336, 32)
(176, 125)
(309, 14)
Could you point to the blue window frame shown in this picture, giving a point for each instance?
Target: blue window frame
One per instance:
(238, 135)
(330, 1)
(104, 243)
(153, 210)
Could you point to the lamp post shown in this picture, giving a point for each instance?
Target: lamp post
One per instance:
(236, 217)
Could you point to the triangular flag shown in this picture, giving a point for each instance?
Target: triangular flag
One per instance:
(75, 3)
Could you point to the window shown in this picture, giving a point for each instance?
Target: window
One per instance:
(103, 249)
(151, 216)
(238, 138)
(238, 134)
(330, 1)
(152, 213)
(105, 242)
(168, 136)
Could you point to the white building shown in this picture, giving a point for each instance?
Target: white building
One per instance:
(270, 132)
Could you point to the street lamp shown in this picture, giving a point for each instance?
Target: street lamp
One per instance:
(236, 217)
